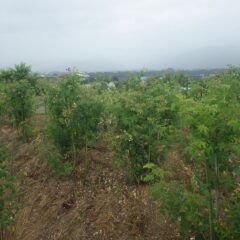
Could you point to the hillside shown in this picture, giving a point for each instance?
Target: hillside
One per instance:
(100, 206)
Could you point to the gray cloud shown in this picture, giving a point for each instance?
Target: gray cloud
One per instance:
(119, 35)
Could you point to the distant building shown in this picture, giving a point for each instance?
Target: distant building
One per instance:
(83, 75)
(144, 78)
(111, 85)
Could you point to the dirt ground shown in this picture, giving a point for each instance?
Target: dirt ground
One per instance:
(100, 206)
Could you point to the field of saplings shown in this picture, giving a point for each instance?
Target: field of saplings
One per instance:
(135, 159)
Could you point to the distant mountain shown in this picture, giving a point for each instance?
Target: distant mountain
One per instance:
(207, 58)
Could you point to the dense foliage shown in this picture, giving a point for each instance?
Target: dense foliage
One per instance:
(144, 115)
(74, 113)
(20, 102)
(20, 72)
(147, 120)
(209, 128)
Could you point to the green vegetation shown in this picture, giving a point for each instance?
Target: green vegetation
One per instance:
(210, 137)
(74, 113)
(146, 120)
(20, 72)
(19, 98)
(145, 114)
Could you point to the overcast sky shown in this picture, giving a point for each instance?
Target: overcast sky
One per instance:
(96, 35)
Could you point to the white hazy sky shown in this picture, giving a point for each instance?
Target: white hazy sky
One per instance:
(98, 35)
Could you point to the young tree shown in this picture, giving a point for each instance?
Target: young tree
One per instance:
(210, 139)
(21, 71)
(144, 116)
(74, 113)
(20, 100)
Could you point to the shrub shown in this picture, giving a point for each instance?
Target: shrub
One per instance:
(211, 149)
(20, 106)
(21, 72)
(144, 120)
(74, 113)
